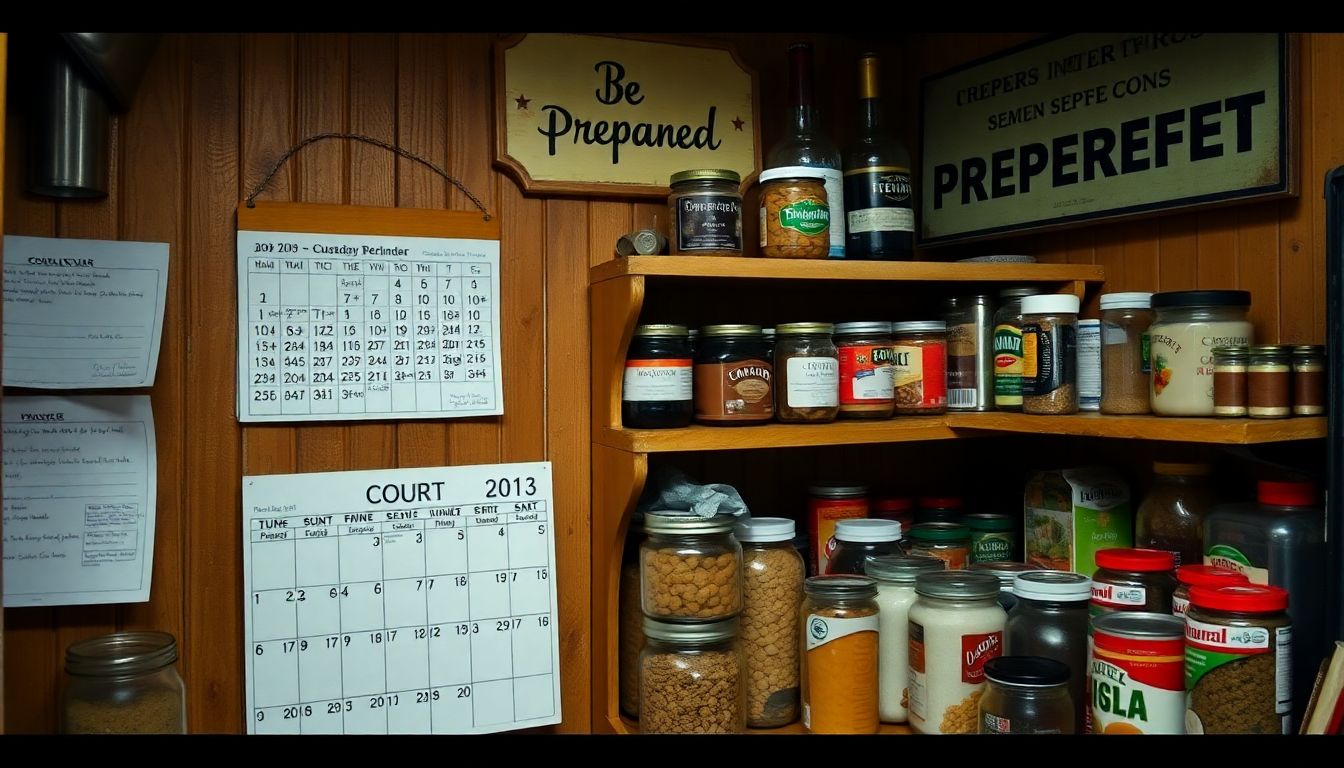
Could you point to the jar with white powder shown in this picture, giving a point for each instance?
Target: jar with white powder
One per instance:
(895, 576)
(1188, 326)
(956, 625)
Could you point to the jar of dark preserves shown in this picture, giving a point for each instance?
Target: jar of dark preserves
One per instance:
(734, 378)
(656, 389)
(1133, 580)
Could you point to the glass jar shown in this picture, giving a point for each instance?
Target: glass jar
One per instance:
(1050, 354)
(1269, 382)
(656, 389)
(690, 568)
(1188, 325)
(993, 538)
(1188, 576)
(125, 682)
(1237, 645)
(1229, 380)
(939, 509)
(1008, 347)
(807, 371)
(630, 640)
(839, 626)
(1309, 380)
(734, 378)
(956, 625)
(970, 352)
(857, 540)
(895, 576)
(772, 590)
(1027, 694)
(920, 372)
(827, 505)
(1125, 366)
(682, 667)
(795, 214)
(1133, 580)
(1006, 572)
(949, 542)
(867, 372)
(705, 212)
(1051, 620)
(1171, 516)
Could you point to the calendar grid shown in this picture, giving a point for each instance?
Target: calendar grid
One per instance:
(382, 574)
(466, 563)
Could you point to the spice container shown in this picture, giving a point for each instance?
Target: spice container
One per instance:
(795, 215)
(857, 540)
(949, 542)
(1049, 354)
(1008, 348)
(1238, 642)
(970, 352)
(1229, 380)
(1051, 620)
(1133, 580)
(807, 369)
(630, 639)
(734, 380)
(993, 538)
(656, 389)
(1171, 516)
(895, 576)
(1089, 365)
(956, 625)
(827, 504)
(1309, 380)
(1187, 327)
(920, 374)
(939, 509)
(866, 370)
(1125, 366)
(1006, 571)
(705, 209)
(1026, 694)
(1269, 388)
(690, 568)
(772, 591)
(684, 666)
(125, 682)
(1188, 576)
(1137, 674)
(839, 624)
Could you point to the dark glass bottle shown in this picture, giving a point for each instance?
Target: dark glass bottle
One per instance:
(879, 196)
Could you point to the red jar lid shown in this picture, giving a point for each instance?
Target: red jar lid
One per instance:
(940, 502)
(1142, 560)
(1209, 576)
(1241, 598)
(1286, 494)
(893, 504)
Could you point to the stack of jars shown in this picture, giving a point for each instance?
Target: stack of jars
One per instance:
(1269, 381)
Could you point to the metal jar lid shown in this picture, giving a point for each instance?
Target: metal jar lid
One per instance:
(1231, 354)
(120, 654)
(1201, 299)
(1140, 625)
(1005, 570)
(731, 330)
(1053, 586)
(919, 326)
(901, 569)
(1271, 350)
(661, 522)
(800, 329)
(939, 532)
(659, 329)
(706, 174)
(988, 522)
(836, 490)
(838, 587)
(713, 632)
(957, 585)
(1309, 350)
(865, 328)
(1027, 671)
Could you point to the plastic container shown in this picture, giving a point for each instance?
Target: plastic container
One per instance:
(1133, 580)
(1050, 354)
(1051, 620)
(1188, 576)
(125, 682)
(1008, 347)
(895, 575)
(1125, 363)
(656, 391)
(1171, 516)
(1238, 643)
(1026, 694)
(772, 590)
(690, 568)
(857, 540)
(1187, 326)
(684, 665)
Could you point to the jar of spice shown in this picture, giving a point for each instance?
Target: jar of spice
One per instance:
(1187, 327)
(970, 352)
(827, 505)
(866, 370)
(1125, 366)
(920, 373)
(1133, 580)
(895, 576)
(125, 682)
(956, 625)
(1237, 645)
(690, 568)
(1051, 620)
(1309, 381)
(950, 542)
(1188, 576)
(772, 590)
(1050, 354)
(993, 538)
(1171, 516)
(857, 540)
(1269, 389)
(1229, 380)
(839, 623)
(734, 379)
(795, 216)
(656, 390)
(807, 370)
(630, 640)
(1006, 571)
(939, 509)
(682, 667)
(705, 211)
(1026, 694)
(1008, 347)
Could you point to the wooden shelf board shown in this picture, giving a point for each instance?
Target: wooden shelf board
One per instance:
(702, 438)
(626, 725)
(1188, 430)
(827, 269)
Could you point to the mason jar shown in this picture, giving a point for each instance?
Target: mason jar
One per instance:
(772, 575)
(1026, 694)
(690, 568)
(125, 682)
(839, 631)
(705, 212)
(807, 372)
(691, 679)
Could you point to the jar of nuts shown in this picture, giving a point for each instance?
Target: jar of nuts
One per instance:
(691, 678)
(690, 568)
(772, 591)
(795, 215)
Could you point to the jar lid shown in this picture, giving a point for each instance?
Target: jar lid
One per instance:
(1201, 299)
(715, 631)
(1127, 300)
(1053, 586)
(1050, 304)
(1179, 469)
(1270, 349)
(893, 504)
(867, 530)
(1241, 598)
(765, 529)
(731, 330)
(939, 532)
(659, 329)
(798, 329)
(707, 174)
(836, 490)
(1089, 323)
(1308, 350)
(1139, 625)
(1020, 291)
(792, 172)
(919, 326)
(940, 502)
(1026, 671)
(901, 569)
(1231, 353)
(988, 522)
(1286, 494)
(1209, 576)
(881, 328)
(961, 302)
(840, 586)
(1138, 560)
(768, 333)
(1004, 570)
(968, 585)
(121, 653)
(661, 522)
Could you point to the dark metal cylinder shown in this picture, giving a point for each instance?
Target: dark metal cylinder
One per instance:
(70, 133)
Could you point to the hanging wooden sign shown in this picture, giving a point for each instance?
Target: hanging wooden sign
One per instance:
(615, 116)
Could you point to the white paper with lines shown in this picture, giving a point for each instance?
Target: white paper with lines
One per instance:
(401, 601)
(79, 494)
(82, 314)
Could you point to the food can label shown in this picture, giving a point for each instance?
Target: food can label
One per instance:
(1049, 358)
(821, 630)
(920, 376)
(1007, 365)
(1118, 596)
(975, 651)
(813, 382)
(1224, 556)
(808, 216)
(866, 374)
(657, 380)
(1211, 646)
(879, 200)
(992, 547)
(1136, 685)
(918, 680)
(1178, 605)
(709, 223)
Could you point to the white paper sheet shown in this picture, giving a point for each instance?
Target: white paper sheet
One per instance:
(82, 314)
(79, 493)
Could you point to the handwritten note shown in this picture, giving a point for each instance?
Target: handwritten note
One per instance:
(79, 495)
(82, 313)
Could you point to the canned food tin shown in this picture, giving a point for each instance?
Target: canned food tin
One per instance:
(1138, 673)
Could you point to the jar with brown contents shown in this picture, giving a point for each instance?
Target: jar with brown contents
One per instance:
(920, 367)
(807, 373)
(1050, 354)
(690, 568)
(795, 214)
(1269, 391)
(1237, 664)
(705, 211)
(690, 678)
(1309, 380)
(125, 682)
(867, 371)
(772, 590)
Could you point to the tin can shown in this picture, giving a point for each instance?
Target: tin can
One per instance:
(827, 504)
(1137, 674)
(970, 352)
(1089, 365)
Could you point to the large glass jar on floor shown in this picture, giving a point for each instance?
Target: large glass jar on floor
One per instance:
(690, 678)
(772, 591)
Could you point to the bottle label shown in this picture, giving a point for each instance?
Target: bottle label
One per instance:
(813, 382)
(709, 223)
(975, 651)
(660, 380)
(1049, 358)
(879, 200)
(866, 374)
(919, 679)
(920, 376)
(833, 181)
(823, 629)
(808, 216)
(1118, 596)
(1007, 365)
(739, 391)
(1224, 556)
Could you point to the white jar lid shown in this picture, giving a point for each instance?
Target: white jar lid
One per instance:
(867, 530)
(1127, 300)
(1050, 304)
(765, 529)
(792, 172)
(1054, 586)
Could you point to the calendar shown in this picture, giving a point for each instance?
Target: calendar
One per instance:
(345, 327)
(401, 601)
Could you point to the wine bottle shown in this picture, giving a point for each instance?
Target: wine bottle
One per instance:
(879, 203)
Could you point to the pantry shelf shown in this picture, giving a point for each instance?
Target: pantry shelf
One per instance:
(699, 438)
(626, 725)
(827, 269)
(1188, 430)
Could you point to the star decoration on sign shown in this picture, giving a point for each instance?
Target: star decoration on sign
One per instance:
(522, 101)
(737, 123)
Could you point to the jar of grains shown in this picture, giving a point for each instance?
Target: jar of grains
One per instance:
(1125, 318)
(1237, 645)
(1171, 516)
(839, 625)
(1051, 620)
(795, 215)
(1187, 327)
(734, 378)
(705, 210)
(1229, 380)
(125, 682)
(1133, 580)
(631, 617)
(866, 370)
(656, 388)
(1269, 382)
(895, 576)
(920, 372)
(1050, 354)
(807, 371)
(1006, 571)
(1188, 576)
(1008, 347)
(949, 542)
(690, 568)
(691, 679)
(857, 540)
(956, 625)
(1309, 380)
(1026, 694)
(772, 592)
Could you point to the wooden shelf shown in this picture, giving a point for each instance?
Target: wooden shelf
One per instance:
(1189, 430)
(626, 725)
(702, 438)
(827, 269)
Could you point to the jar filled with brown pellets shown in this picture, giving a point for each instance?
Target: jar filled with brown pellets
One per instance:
(125, 682)
(690, 568)
(631, 630)
(772, 589)
(1050, 354)
(691, 679)
(795, 214)
(1237, 660)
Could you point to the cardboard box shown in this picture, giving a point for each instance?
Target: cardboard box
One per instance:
(1069, 514)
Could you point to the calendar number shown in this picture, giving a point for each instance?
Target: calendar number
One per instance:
(426, 583)
(337, 707)
(460, 581)
(505, 487)
(292, 712)
(423, 697)
(344, 592)
(543, 621)
(504, 625)
(295, 596)
(464, 692)
(378, 702)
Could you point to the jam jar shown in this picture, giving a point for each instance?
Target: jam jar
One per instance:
(734, 378)
(705, 209)
(656, 389)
